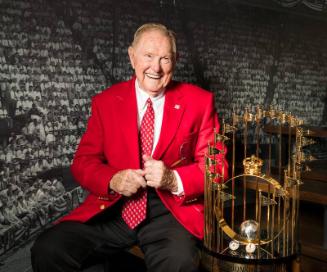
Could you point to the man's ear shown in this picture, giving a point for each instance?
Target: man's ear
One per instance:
(131, 55)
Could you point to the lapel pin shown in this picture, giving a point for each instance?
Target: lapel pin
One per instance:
(177, 107)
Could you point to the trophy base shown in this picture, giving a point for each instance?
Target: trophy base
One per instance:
(215, 264)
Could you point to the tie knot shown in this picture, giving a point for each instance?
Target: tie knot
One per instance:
(149, 102)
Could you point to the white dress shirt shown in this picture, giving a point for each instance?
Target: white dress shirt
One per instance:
(158, 103)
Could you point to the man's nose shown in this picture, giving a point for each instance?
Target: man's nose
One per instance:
(156, 66)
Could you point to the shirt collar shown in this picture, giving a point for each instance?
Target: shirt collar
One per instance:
(142, 96)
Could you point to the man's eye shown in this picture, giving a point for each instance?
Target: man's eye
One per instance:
(148, 56)
(166, 60)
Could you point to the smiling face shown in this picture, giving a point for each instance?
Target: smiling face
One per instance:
(153, 60)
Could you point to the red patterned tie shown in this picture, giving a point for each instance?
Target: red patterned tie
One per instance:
(134, 209)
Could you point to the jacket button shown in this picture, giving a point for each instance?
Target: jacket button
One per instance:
(102, 207)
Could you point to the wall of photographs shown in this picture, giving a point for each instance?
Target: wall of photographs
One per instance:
(55, 55)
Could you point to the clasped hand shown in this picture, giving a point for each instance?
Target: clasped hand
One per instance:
(155, 174)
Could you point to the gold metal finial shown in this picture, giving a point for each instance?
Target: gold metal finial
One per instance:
(259, 114)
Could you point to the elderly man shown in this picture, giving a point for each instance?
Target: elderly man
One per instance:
(141, 159)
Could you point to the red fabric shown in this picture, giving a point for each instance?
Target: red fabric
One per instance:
(110, 144)
(134, 209)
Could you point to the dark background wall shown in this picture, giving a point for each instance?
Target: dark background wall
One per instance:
(55, 55)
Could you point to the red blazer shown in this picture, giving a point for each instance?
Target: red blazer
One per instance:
(110, 144)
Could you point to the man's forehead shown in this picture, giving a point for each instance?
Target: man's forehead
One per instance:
(150, 41)
(150, 35)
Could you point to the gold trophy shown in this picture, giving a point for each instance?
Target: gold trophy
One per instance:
(251, 219)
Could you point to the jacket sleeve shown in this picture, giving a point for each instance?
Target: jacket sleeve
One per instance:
(192, 175)
(90, 167)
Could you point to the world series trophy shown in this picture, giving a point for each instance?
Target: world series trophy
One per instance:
(251, 219)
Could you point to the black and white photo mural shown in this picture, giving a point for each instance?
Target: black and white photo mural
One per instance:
(55, 55)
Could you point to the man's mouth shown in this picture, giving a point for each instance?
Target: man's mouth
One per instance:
(153, 76)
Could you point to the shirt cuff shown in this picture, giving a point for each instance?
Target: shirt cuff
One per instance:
(180, 188)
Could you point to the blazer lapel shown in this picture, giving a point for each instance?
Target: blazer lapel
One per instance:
(127, 109)
(173, 111)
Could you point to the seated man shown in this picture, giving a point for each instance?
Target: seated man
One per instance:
(142, 160)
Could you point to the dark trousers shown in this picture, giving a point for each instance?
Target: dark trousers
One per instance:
(68, 246)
